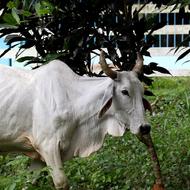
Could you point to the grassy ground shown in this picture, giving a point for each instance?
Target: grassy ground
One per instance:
(123, 163)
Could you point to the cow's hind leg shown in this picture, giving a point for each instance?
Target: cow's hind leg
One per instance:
(51, 154)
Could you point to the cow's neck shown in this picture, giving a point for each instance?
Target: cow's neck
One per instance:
(92, 92)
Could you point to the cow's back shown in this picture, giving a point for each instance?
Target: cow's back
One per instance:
(16, 95)
(55, 84)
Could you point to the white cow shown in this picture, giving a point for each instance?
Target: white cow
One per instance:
(53, 114)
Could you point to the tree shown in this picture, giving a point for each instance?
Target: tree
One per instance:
(73, 29)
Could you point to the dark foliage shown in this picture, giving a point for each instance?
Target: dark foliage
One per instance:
(71, 30)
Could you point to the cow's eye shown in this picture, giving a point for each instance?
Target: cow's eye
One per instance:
(125, 92)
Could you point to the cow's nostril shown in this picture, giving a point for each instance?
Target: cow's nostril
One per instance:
(145, 129)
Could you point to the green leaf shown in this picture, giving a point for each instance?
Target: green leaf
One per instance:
(9, 19)
(14, 38)
(37, 8)
(147, 69)
(4, 25)
(35, 60)
(8, 31)
(150, 20)
(43, 8)
(9, 37)
(183, 55)
(162, 70)
(183, 43)
(15, 15)
(26, 13)
(28, 44)
(12, 187)
(52, 56)
(153, 65)
(11, 4)
(8, 49)
(26, 58)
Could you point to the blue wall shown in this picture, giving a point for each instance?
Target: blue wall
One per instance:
(169, 62)
(4, 61)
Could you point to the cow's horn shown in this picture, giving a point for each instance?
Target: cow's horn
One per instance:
(107, 70)
(139, 64)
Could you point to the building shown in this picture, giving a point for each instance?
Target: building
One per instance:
(176, 30)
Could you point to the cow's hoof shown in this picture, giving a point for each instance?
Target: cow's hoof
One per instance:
(158, 187)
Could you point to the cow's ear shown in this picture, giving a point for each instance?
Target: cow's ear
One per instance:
(147, 105)
(105, 108)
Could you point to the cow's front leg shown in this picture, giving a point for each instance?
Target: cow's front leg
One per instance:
(147, 140)
(52, 157)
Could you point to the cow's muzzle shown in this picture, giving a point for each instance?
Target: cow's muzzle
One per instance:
(145, 129)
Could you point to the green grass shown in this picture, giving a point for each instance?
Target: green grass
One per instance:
(124, 163)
